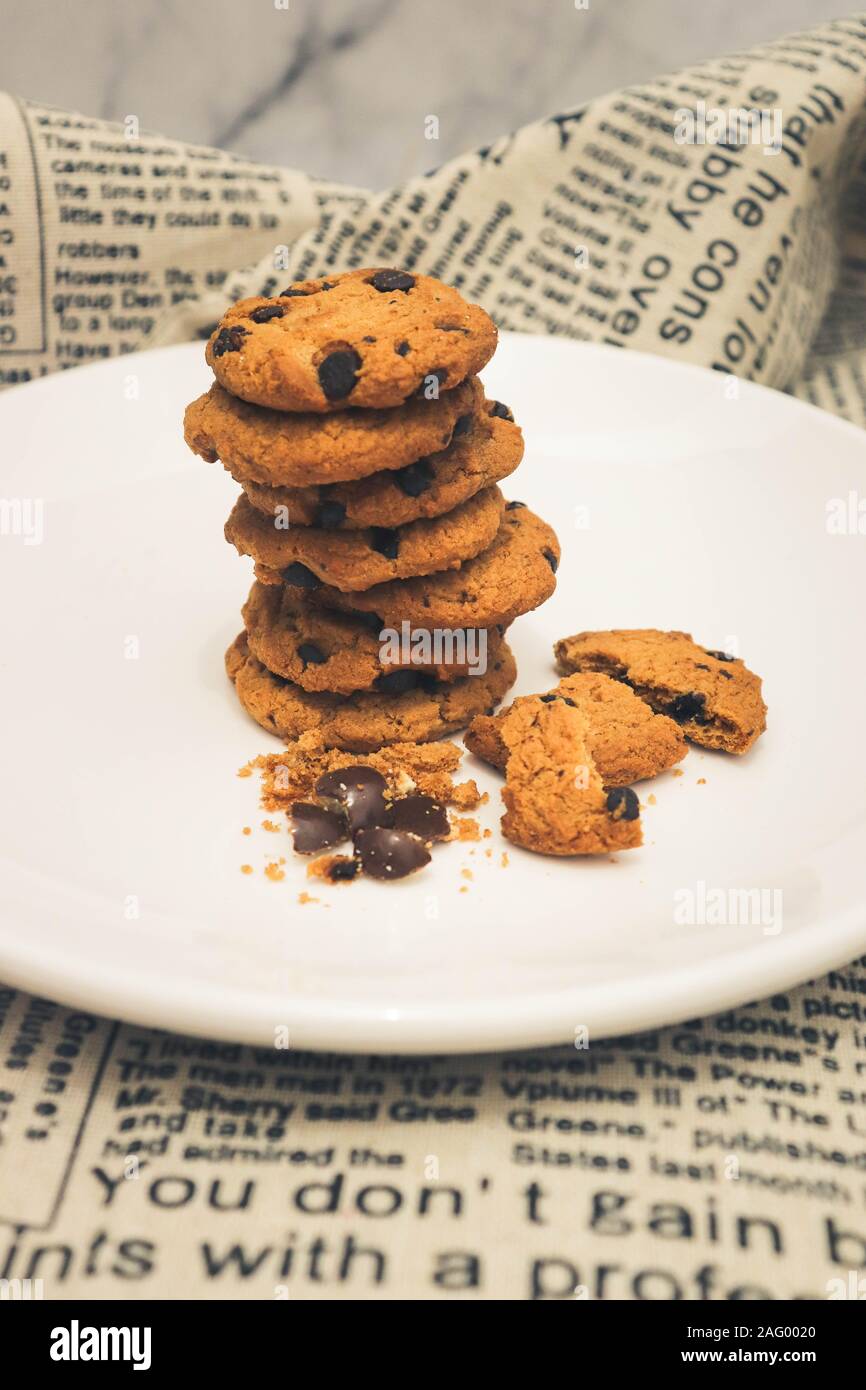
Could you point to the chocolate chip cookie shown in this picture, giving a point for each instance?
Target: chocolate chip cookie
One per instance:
(714, 697)
(305, 556)
(555, 800)
(368, 338)
(483, 450)
(512, 576)
(628, 742)
(367, 721)
(327, 651)
(276, 449)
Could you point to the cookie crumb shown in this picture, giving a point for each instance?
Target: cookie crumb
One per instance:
(274, 872)
(466, 795)
(677, 772)
(504, 861)
(304, 898)
(702, 781)
(464, 889)
(248, 830)
(272, 826)
(465, 828)
(247, 769)
(467, 873)
(246, 868)
(651, 799)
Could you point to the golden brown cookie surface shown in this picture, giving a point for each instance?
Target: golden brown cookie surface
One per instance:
(628, 742)
(327, 651)
(484, 449)
(369, 338)
(512, 576)
(365, 721)
(714, 697)
(302, 556)
(276, 449)
(555, 801)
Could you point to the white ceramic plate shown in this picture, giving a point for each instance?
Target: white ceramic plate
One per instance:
(678, 506)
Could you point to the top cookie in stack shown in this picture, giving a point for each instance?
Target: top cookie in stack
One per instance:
(388, 564)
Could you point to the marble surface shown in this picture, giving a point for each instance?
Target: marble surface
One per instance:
(342, 88)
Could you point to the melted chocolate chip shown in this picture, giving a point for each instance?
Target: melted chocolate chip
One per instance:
(551, 560)
(368, 339)
(330, 515)
(451, 328)
(292, 293)
(267, 311)
(700, 666)
(300, 577)
(421, 816)
(390, 854)
(500, 411)
(385, 541)
(401, 348)
(461, 426)
(359, 790)
(414, 479)
(316, 827)
(690, 706)
(622, 803)
(566, 700)
(548, 699)
(338, 373)
(514, 506)
(728, 675)
(310, 654)
(386, 280)
(720, 656)
(229, 340)
(427, 682)
(397, 682)
(342, 869)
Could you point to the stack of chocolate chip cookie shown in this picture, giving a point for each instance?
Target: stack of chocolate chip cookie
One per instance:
(388, 563)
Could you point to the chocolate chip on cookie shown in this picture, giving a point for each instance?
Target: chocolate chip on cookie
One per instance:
(623, 804)
(228, 340)
(338, 373)
(386, 280)
(267, 312)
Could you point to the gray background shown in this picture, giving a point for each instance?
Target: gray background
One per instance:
(341, 89)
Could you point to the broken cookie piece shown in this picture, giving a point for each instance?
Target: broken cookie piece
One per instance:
(555, 800)
(628, 742)
(713, 697)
